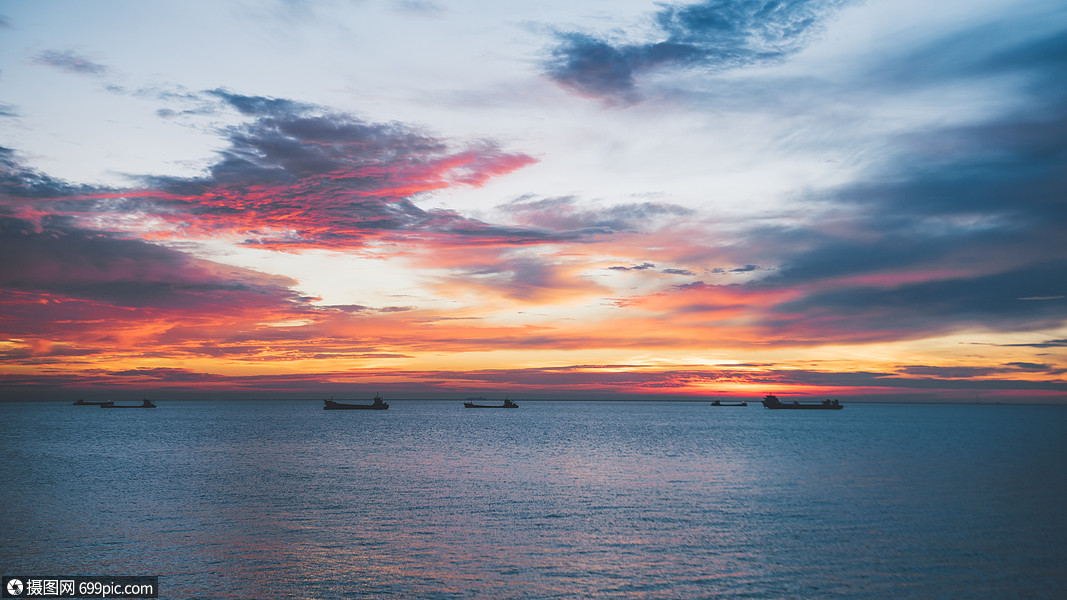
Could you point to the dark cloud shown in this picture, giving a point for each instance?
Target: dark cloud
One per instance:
(1048, 344)
(1008, 46)
(967, 237)
(931, 378)
(929, 307)
(288, 141)
(474, 232)
(523, 278)
(1026, 366)
(262, 106)
(595, 68)
(563, 214)
(715, 34)
(18, 183)
(961, 228)
(394, 309)
(744, 269)
(56, 258)
(625, 379)
(969, 372)
(348, 308)
(987, 233)
(68, 60)
(297, 175)
(174, 383)
(640, 267)
(165, 374)
(949, 372)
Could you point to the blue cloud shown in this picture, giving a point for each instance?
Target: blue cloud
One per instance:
(19, 183)
(67, 60)
(715, 34)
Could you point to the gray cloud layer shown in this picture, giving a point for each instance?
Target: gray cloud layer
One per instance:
(715, 34)
(984, 216)
(68, 60)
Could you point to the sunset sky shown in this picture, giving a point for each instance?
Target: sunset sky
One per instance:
(557, 199)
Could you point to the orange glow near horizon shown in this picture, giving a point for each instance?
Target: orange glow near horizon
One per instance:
(285, 348)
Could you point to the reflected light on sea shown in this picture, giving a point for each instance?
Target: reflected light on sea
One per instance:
(553, 500)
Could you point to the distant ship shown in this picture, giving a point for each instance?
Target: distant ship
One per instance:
(146, 404)
(80, 402)
(717, 403)
(471, 403)
(378, 404)
(771, 401)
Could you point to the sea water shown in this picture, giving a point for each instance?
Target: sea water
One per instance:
(428, 500)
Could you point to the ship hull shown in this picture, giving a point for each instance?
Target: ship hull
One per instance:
(772, 402)
(378, 404)
(805, 407)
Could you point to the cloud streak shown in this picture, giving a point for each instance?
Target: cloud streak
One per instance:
(70, 61)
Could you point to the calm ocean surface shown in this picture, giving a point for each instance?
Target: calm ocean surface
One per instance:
(553, 500)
